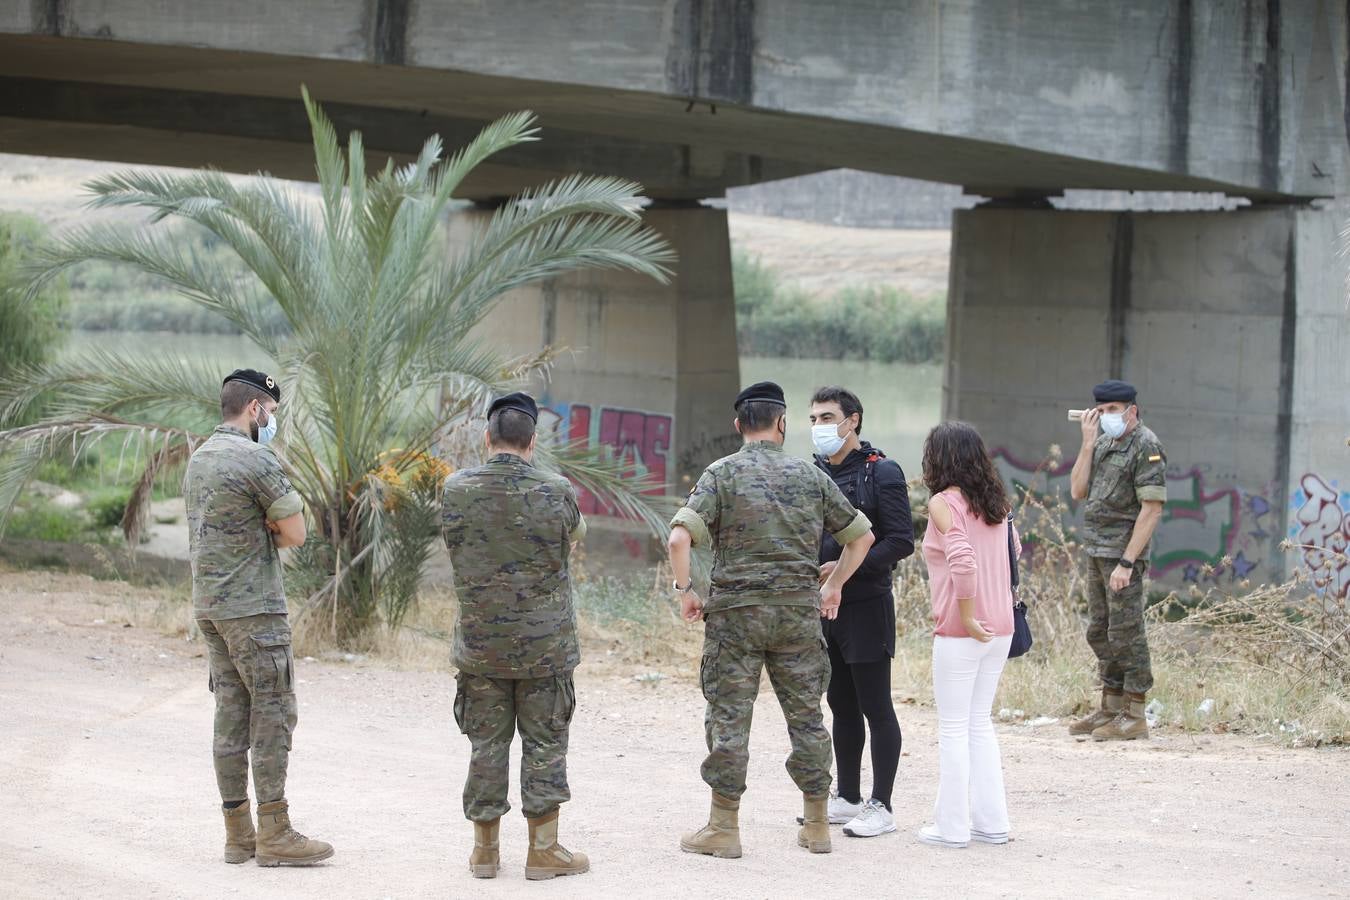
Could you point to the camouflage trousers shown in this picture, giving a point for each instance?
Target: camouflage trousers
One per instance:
(490, 711)
(1116, 630)
(252, 675)
(737, 644)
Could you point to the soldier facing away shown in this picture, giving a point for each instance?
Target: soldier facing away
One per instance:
(510, 529)
(241, 508)
(762, 513)
(1121, 472)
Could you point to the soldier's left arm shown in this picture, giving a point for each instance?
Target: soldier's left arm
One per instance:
(283, 510)
(1150, 487)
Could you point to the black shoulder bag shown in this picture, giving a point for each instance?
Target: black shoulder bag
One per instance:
(1021, 636)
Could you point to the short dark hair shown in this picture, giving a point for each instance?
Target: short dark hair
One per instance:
(759, 415)
(510, 428)
(235, 395)
(847, 400)
(954, 454)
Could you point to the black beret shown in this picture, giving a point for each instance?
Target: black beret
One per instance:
(259, 380)
(521, 402)
(765, 391)
(1114, 391)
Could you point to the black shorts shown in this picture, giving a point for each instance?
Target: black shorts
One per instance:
(865, 629)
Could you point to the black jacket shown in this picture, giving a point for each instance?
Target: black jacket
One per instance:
(876, 486)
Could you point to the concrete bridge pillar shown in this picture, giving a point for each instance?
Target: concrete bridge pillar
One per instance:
(651, 369)
(1234, 327)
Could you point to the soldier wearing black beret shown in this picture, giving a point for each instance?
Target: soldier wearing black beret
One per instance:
(1121, 475)
(510, 528)
(241, 509)
(762, 512)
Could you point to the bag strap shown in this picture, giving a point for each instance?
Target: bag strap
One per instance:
(1014, 576)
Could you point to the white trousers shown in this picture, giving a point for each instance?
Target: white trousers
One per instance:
(970, 770)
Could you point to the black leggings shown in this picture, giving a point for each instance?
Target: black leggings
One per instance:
(858, 691)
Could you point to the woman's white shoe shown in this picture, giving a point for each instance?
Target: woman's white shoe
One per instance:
(928, 834)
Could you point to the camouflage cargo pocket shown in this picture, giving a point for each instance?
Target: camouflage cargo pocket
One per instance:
(707, 671)
(273, 672)
(461, 703)
(564, 702)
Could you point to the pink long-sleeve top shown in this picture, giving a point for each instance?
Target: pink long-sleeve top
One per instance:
(969, 560)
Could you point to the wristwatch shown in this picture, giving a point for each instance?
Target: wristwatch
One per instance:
(1125, 563)
(683, 590)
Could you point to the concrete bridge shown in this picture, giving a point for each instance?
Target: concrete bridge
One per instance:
(1233, 324)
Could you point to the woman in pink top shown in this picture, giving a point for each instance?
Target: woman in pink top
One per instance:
(966, 549)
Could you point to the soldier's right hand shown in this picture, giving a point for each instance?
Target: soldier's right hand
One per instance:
(1089, 425)
(691, 606)
(830, 597)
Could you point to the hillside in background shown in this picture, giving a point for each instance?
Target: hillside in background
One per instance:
(816, 256)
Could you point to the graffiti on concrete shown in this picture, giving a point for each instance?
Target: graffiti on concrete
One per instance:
(1202, 525)
(1319, 523)
(640, 441)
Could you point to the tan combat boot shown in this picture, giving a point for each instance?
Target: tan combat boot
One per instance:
(1130, 725)
(281, 845)
(239, 836)
(721, 837)
(815, 831)
(485, 860)
(547, 858)
(1112, 703)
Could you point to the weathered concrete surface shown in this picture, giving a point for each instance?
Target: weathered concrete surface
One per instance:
(650, 370)
(1232, 325)
(1247, 97)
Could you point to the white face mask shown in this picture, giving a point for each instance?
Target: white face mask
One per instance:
(1113, 424)
(268, 431)
(827, 439)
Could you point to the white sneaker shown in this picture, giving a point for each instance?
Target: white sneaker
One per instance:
(989, 837)
(842, 811)
(929, 835)
(874, 819)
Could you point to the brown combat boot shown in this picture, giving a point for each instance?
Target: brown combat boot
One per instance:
(1130, 725)
(239, 837)
(281, 845)
(1113, 702)
(814, 834)
(547, 858)
(486, 859)
(721, 837)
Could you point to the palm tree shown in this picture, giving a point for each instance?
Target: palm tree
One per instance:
(380, 362)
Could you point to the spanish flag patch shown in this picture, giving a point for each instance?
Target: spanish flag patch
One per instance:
(1157, 457)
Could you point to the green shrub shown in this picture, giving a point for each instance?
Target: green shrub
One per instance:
(46, 523)
(107, 507)
(875, 322)
(30, 330)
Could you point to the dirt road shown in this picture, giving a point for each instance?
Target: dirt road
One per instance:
(106, 789)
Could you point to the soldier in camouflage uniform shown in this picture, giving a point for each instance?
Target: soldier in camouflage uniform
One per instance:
(1121, 474)
(241, 509)
(761, 512)
(510, 528)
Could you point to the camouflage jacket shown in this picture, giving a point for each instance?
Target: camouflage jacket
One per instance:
(762, 512)
(233, 485)
(509, 528)
(1125, 472)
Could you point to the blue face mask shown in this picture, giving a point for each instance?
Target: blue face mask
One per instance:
(268, 431)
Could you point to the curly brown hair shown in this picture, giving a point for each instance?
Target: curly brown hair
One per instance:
(954, 454)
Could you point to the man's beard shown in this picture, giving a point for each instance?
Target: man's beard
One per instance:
(253, 430)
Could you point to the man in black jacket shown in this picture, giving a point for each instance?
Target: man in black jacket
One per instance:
(861, 641)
